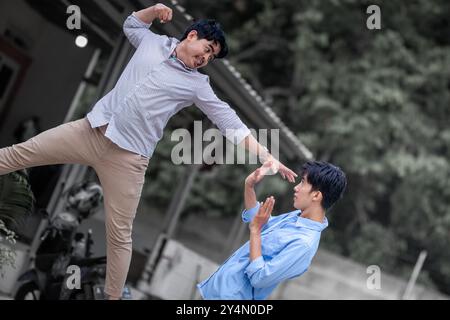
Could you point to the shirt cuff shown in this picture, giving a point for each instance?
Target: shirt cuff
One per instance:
(254, 266)
(139, 21)
(247, 215)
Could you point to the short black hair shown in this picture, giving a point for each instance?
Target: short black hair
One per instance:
(210, 30)
(327, 178)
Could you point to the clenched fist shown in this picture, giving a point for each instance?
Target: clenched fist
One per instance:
(162, 12)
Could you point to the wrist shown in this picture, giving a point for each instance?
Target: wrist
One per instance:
(147, 15)
(153, 12)
(255, 231)
(264, 154)
(249, 184)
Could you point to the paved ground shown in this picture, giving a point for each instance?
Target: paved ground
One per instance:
(4, 297)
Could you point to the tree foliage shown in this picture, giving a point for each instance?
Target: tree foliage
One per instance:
(374, 102)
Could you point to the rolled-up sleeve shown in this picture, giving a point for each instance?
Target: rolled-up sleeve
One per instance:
(221, 114)
(247, 215)
(292, 261)
(135, 29)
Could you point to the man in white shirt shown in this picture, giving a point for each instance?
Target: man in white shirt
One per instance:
(120, 134)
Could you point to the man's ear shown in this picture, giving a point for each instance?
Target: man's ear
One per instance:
(318, 196)
(192, 35)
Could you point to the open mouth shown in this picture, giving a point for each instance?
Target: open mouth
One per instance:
(198, 62)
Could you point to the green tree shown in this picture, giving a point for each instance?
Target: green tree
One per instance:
(375, 102)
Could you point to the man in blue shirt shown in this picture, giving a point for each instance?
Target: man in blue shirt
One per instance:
(280, 247)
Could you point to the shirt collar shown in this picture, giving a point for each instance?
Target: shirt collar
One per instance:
(173, 57)
(310, 224)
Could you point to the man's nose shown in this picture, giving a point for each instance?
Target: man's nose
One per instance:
(207, 56)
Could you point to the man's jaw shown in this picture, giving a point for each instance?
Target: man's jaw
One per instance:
(294, 200)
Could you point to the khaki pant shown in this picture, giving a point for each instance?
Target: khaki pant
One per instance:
(121, 174)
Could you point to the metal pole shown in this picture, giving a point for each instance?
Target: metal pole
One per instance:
(82, 87)
(172, 217)
(187, 186)
(414, 275)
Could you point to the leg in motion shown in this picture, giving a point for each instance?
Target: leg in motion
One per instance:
(66, 143)
(121, 174)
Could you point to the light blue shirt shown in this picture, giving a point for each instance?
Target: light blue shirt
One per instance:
(289, 243)
(152, 88)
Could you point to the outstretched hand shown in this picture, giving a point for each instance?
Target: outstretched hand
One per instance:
(256, 176)
(277, 167)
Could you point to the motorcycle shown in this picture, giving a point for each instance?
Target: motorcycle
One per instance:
(63, 266)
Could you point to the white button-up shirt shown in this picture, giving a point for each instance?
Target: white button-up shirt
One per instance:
(153, 87)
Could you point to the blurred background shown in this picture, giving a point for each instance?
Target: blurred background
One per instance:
(374, 102)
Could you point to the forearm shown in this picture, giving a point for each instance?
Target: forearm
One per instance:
(147, 15)
(249, 196)
(253, 146)
(255, 244)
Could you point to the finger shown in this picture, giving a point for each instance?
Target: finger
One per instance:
(266, 204)
(290, 177)
(260, 208)
(272, 203)
(269, 207)
(170, 15)
(264, 207)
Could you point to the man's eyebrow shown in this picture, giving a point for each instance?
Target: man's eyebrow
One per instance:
(212, 49)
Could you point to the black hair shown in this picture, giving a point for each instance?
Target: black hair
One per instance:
(327, 178)
(210, 30)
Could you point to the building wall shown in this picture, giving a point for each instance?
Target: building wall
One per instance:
(57, 67)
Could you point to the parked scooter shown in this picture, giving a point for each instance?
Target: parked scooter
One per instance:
(63, 248)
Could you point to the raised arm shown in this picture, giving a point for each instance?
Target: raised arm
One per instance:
(252, 206)
(251, 181)
(137, 25)
(160, 11)
(222, 115)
